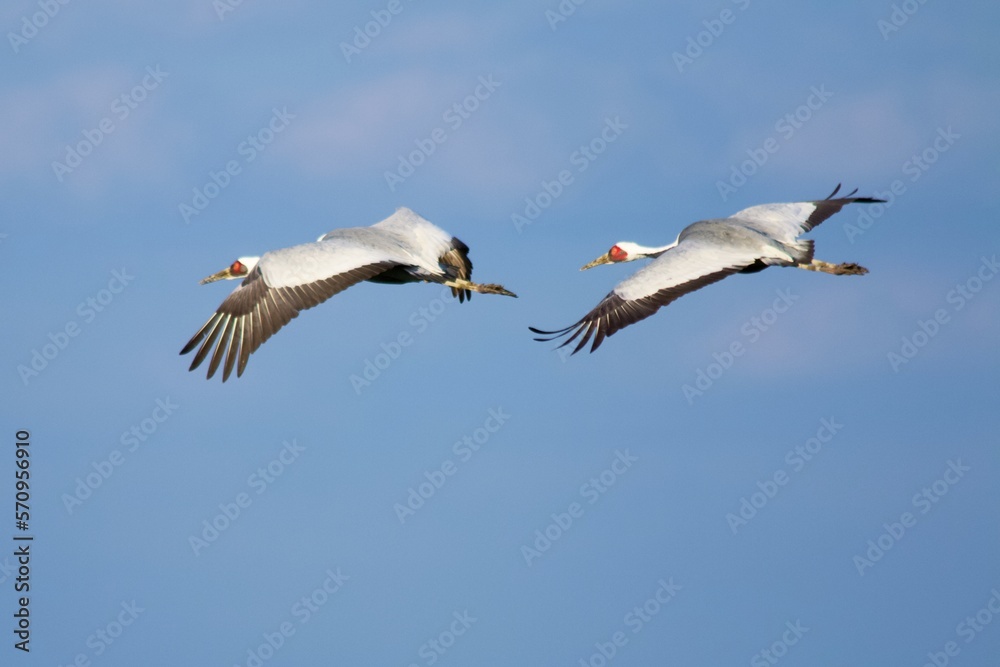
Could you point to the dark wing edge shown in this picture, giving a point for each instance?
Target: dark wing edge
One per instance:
(457, 258)
(614, 313)
(830, 206)
(254, 312)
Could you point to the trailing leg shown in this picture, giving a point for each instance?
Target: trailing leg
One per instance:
(846, 269)
(484, 288)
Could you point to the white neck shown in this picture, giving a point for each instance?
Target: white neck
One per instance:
(655, 252)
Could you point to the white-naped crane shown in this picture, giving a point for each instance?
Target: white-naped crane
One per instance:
(403, 248)
(706, 252)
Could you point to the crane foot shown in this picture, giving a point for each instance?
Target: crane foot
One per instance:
(482, 288)
(845, 269)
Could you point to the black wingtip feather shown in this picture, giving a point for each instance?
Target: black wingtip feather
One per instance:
(254, 312)
(614, 313)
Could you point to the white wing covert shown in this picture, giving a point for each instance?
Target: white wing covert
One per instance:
(786, 222)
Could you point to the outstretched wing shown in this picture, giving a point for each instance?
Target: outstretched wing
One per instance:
(283, 283)
(786, 222)
(692, 264)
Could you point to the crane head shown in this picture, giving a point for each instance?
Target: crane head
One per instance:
(235, 271)
(623, 251)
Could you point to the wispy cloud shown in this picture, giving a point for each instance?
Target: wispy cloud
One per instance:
(49, 119)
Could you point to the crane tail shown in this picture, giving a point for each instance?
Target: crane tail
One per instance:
(461, 294)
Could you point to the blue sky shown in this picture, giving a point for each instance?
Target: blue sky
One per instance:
(829, 490)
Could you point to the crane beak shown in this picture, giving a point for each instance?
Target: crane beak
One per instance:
(603, 259)
(224, 274)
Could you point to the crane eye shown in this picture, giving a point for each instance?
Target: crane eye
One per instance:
(617, 254)
(238, 267)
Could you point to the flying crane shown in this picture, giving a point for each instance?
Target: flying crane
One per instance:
(403, 248)
(706, 252)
